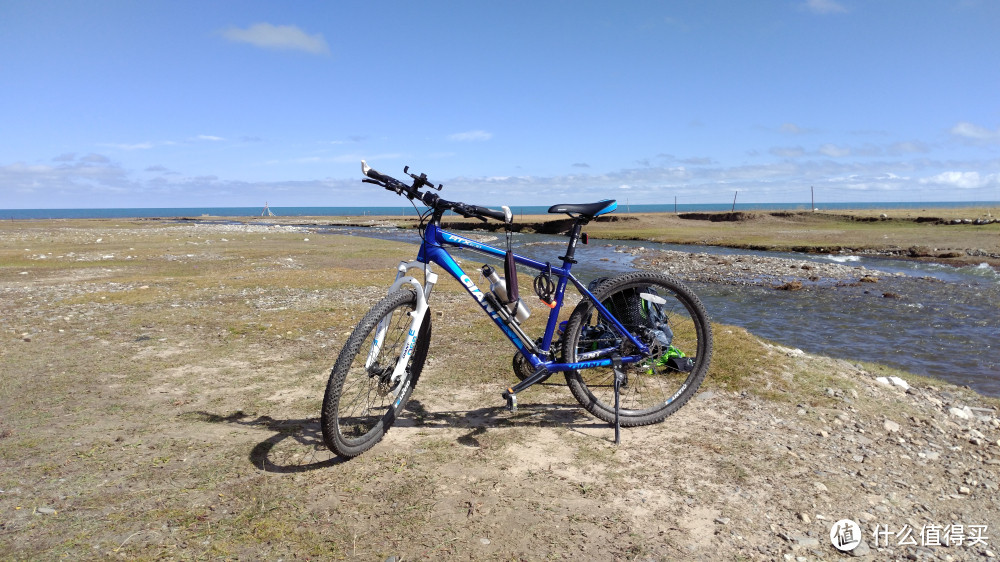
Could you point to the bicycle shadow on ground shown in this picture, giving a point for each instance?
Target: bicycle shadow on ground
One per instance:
(305, 452)
(481, 420)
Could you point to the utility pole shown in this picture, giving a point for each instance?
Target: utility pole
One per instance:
(812, 194)
(734, 201)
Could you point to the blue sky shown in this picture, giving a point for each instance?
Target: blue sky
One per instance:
(191, 104)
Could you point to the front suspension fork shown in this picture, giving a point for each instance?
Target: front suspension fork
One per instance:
(416, 317)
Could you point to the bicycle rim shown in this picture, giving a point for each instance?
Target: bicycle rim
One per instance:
(362, 401)
(676, 329)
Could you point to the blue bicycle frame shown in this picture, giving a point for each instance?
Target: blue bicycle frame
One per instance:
(434, 250)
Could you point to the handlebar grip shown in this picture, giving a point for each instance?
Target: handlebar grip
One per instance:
(372, 172)
(498, 215)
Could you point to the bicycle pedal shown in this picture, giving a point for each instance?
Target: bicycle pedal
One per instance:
(511, 399)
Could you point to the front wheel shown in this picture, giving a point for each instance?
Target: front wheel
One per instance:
(362, 401)
(668, 318)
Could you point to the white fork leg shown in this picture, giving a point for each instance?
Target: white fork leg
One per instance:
(417, 316)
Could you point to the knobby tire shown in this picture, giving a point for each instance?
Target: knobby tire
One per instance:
(653, 389)
(358, 406)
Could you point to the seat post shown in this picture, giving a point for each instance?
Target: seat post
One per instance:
(574, 237)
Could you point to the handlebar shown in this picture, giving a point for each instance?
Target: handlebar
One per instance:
(430, 199)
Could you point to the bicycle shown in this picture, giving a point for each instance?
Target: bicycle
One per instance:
(633, 351)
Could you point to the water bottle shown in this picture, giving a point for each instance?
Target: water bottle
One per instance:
(499, 288)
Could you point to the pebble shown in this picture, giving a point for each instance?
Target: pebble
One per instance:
(861, 550)
(803, 541)
(46, 511)
(959, 413)
(891, 426)
(899, 382)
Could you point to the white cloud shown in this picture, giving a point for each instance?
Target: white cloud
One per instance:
(908, 147)
(975, 133)
(787, 151)
(93, 158)
(834, 151)
(963, 180)
(209, 138)
(824, 7)
(283, 37)
(471, 136)
(791, 128)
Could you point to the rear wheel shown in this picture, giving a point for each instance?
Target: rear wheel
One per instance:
(362, 401)
(668, 318)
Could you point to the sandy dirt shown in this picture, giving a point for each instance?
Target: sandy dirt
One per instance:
(160, 392)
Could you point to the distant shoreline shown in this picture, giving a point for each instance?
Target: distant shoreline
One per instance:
(518, 210)
(955, 236)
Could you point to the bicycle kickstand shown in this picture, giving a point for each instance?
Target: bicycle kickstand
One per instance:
(616, 363)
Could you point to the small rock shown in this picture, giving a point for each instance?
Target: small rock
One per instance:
(964, 490)
(891, 426)
(803, 541)
(46, 511)
(804, 517)
(790, 286)
(861, 550)
(722, 520)
(959, 413)
(484, 541)
(900, 383)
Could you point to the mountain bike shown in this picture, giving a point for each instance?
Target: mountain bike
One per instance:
(633, 351)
